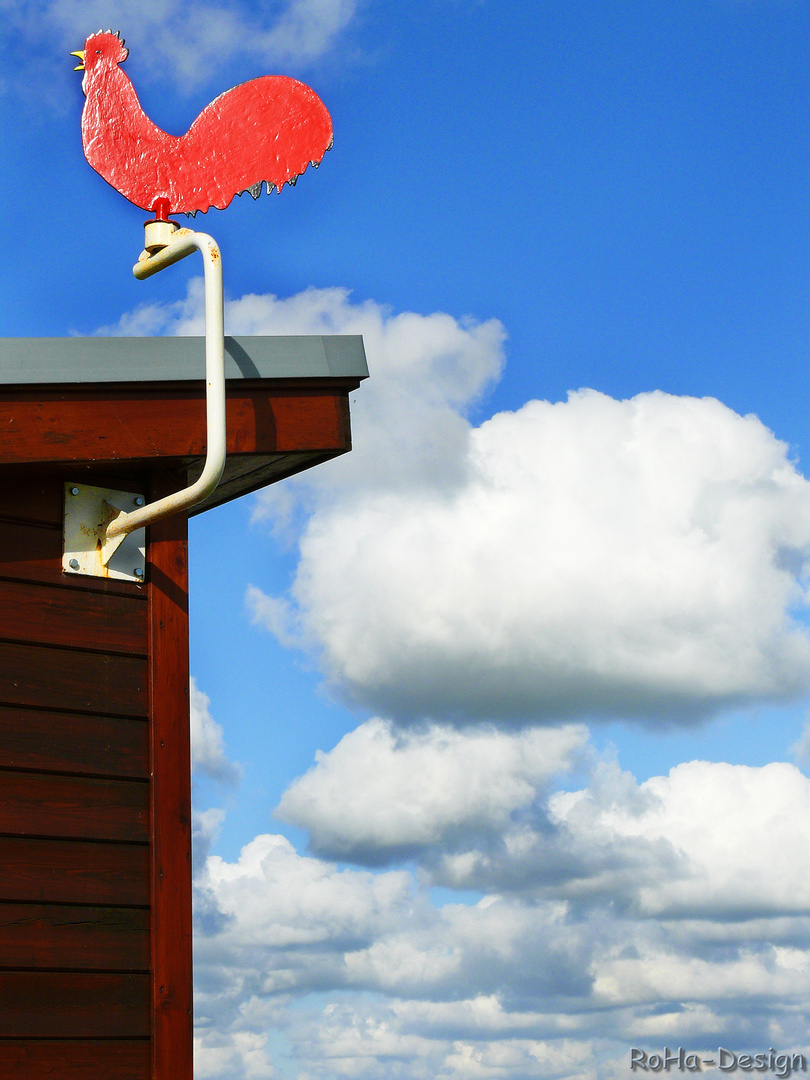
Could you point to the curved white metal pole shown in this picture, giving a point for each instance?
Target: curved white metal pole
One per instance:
(183, 243)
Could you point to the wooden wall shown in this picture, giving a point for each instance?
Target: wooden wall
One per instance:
(95, 775)
(95, 903)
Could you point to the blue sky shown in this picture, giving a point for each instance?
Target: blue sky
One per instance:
(500, 746)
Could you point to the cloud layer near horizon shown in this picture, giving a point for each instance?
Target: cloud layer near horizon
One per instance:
(642, 558)
(609, 916)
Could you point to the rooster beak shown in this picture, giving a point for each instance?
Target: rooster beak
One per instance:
(80, 54)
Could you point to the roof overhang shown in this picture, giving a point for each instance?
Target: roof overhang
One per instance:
(131, 404)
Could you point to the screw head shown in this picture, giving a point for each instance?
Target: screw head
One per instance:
(74, 491)
(138, 500)
(138, 572)
(74, 564)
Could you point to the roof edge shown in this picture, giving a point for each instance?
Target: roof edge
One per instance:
(30, 361)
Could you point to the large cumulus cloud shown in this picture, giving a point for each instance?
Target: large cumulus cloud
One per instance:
(590, 557)
(633, 558)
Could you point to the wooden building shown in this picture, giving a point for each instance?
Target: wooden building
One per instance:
(95, 879)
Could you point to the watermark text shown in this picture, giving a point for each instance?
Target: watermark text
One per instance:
(780, 1064)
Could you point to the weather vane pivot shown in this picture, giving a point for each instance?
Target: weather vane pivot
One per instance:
(266, 130)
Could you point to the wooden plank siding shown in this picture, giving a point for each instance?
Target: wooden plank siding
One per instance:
(75, 806)
(53, 615)
(75, 1060)
(74, 872)
(63, 742)
(95, 799)
(76, 936)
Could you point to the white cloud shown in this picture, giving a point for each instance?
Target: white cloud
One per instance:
(241, 1054)
(647, 848)
(473, 809)
(359, 975)
(663, 975)
(368, 1042)
(207, 745)
(290, 926)
(592, 556)
(422, 789)
(276, 925)
(640, 558)
(187, 43)
(602, 557)
(290, 900)
(741, 835)
(675, 910)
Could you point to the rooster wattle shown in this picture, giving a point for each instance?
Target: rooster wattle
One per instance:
(266, 130)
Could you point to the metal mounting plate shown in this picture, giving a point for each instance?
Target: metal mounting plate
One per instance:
(88, 511)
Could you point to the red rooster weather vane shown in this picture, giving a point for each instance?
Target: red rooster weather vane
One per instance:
(263, 131)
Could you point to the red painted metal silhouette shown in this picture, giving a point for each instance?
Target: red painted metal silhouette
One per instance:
(263, 131)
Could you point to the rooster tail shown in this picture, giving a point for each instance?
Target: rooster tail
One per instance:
(255, 190)
(315, 164)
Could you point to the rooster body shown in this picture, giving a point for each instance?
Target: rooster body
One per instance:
(266, 130)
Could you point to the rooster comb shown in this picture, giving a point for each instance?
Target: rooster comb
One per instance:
(115, 33)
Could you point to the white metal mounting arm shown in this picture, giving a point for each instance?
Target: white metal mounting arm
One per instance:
(182, 243)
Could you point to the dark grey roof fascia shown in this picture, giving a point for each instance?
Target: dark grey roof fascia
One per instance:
(29, 361)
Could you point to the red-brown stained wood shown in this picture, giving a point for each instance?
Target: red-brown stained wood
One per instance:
(73, 1004)
(74, 872)
(33, 552)
(47, 615)
(41, 677)
(83, 664)
(288, 421)
(35, 804)
(30, 551)
(172, 1033)
(69, 742)
(69, 936)
(27, 497)
(78, 425)
(75, 1060)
